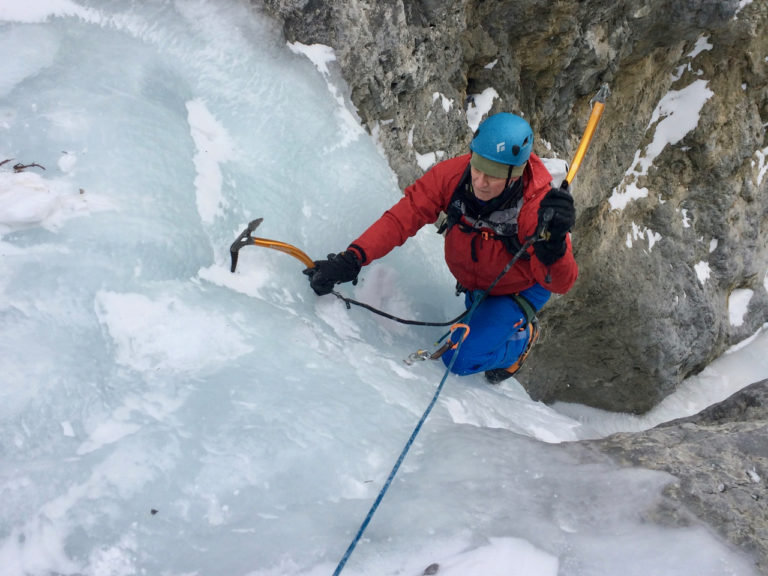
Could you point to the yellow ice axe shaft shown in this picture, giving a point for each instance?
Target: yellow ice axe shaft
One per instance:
(246, 239)
(598, 105)
(284, 247)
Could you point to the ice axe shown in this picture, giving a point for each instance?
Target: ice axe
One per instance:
(246, 238)
(598, 105)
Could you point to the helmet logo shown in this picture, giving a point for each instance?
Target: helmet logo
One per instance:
(500, 147)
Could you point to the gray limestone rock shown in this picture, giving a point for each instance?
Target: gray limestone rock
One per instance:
(720, 461)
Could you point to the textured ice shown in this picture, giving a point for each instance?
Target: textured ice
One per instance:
(160, 415)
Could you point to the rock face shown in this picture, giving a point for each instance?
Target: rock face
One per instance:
(720, 460)
(672, 196)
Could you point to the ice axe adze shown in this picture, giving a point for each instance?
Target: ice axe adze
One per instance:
(246, 238)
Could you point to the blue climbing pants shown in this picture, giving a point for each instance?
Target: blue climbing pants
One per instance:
(498, 334)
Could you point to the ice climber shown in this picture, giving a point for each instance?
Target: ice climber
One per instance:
(494, 198)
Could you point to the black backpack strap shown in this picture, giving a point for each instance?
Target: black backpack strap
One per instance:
(453, 212)
(529, 311)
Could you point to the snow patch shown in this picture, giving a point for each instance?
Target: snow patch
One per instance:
(641, 232)
(703, 271)
(742, 4)
(27, 199)
(761, 164)
(701, 45)
(426, 161)
(625, 193)
(738, 304)
(502, 557)
(214, 147)
(166, 334)
(557, 168)
(321, 55)
(446, 102)
(479, 106)
(686, 219)
(676, 114)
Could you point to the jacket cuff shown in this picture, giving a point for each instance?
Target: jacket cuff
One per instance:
(359, 252)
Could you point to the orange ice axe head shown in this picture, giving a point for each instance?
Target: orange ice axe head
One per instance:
(246, 238)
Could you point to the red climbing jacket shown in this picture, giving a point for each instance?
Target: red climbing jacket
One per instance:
(474, 257)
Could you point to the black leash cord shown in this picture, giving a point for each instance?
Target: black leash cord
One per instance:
(350, 301)
(528, 242)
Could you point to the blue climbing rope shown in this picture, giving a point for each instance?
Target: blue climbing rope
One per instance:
(476, 302)
(407, 447)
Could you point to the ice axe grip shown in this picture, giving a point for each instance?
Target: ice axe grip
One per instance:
(246, 238)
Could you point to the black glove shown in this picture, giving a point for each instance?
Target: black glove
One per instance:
(557, 215)
(338, 268)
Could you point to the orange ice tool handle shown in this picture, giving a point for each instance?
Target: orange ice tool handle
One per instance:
(246, 238)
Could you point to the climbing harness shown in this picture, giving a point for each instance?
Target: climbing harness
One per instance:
(529, 312)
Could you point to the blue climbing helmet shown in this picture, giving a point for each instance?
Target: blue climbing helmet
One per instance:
(504, 138)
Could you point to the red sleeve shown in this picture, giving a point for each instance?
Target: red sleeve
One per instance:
(421, 204)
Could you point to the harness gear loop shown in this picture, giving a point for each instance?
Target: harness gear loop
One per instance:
(463, 337)
(533, 336)
(449, 344)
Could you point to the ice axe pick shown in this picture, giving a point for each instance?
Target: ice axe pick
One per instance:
(246, 238)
